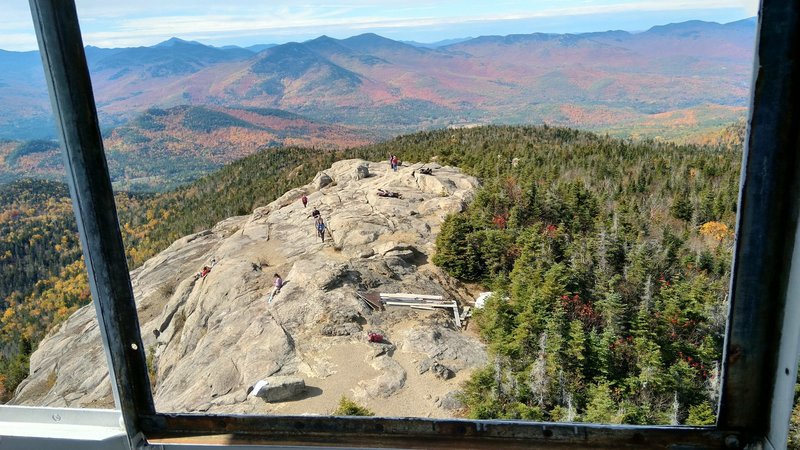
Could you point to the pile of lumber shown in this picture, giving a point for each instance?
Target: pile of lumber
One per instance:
(416, 301)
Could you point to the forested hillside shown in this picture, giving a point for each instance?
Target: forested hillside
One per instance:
(609, 262)
(162, 149)
(615, 252)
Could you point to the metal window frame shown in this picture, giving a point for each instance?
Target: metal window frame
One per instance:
(760, 353)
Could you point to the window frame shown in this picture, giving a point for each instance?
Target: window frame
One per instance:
(760, 350)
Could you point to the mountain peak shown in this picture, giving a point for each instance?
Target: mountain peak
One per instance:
(372, 41)
(681, 27)
(173, 42)
(322, 38)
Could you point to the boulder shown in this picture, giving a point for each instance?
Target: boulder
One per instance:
(391, 246)
(362, 171)
(278, 389)
(445, 345)
(441, 371)
(425, 365)
(321, 180)
(392, 378)
(450, 401)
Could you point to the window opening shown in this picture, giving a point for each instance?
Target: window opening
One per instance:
(43, 280)
(753, 341)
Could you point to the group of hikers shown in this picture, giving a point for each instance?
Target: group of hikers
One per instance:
(394, 161)
(319, 222)
(319, 225)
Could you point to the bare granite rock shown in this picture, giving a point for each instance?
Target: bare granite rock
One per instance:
(442, 371)
(208, 339)
(450, 401)
(276, 389)
(321, 180)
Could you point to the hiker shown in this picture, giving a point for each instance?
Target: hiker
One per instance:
(395, 162)
(320, 228)
(204, 272)
(391, 162)
(314, 213)
(278, 284)
(304, 199)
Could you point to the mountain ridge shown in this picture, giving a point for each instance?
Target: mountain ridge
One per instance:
(394, 87)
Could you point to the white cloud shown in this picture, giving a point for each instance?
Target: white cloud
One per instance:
(145, 22)
(287, 21)
(20, 41)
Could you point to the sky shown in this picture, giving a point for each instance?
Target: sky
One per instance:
(125, 23)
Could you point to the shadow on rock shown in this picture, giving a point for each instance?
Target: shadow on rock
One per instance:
(310, 392)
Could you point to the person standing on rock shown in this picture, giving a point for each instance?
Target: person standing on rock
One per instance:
(320, 228)
(304, 199)
(278, 284)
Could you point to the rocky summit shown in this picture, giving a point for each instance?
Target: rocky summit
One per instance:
(223, 343)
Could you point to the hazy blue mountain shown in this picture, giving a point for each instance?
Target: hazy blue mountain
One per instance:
(671, 80)
(259, 47)
(437, 44)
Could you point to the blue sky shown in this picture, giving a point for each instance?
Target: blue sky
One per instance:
(117, 23)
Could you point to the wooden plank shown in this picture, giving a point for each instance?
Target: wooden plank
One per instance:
(416, 300)
(423, 302)
(417, 304)
(422, 296)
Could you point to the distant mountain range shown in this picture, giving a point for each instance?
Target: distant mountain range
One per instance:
(162, 148)
(670, 80)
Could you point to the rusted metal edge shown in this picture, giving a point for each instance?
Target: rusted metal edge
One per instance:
(67, 75)
(377, 432)
(766, 224)
(372, 300)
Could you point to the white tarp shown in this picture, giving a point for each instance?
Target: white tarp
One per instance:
(480, 300)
